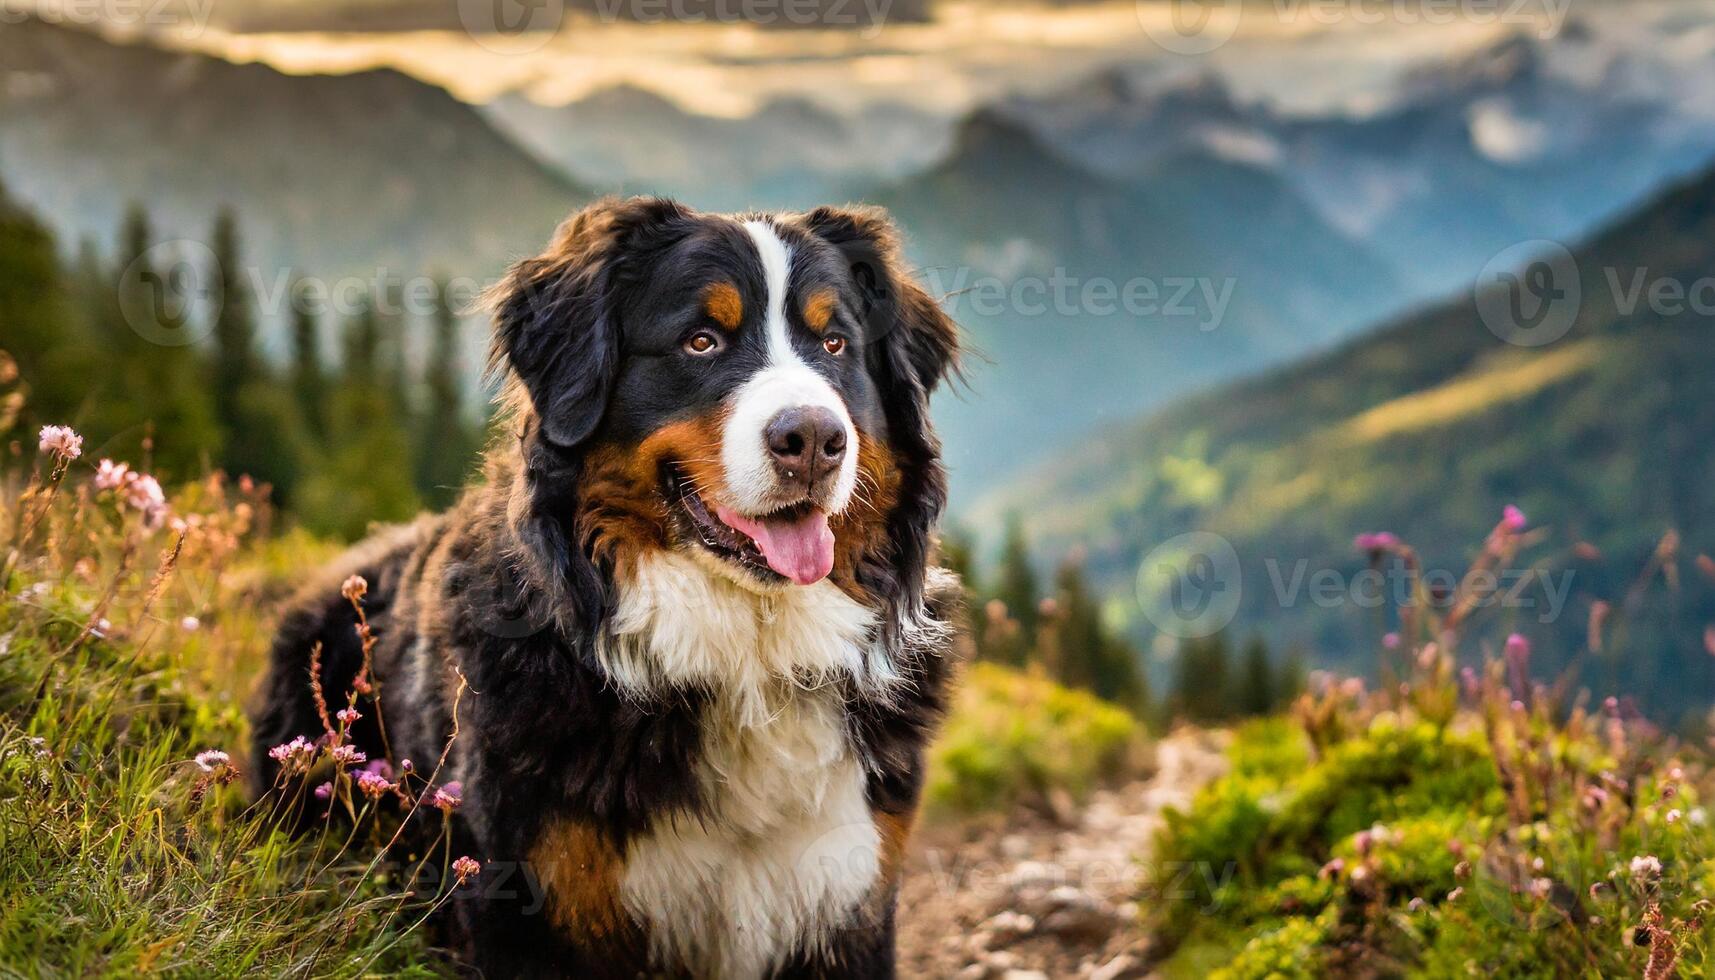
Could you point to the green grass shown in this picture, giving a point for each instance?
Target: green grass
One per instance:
(119, 854)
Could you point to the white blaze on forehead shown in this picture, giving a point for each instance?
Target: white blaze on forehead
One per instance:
(784, 382)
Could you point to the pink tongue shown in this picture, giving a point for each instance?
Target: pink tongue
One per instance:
(800, 549)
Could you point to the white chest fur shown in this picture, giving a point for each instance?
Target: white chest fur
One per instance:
(786, 849)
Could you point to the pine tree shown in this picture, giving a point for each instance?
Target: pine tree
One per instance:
(1079, 628)
(236, 364)
(1292, 678)
(447, 446)
(310, 385)
(1201, 694)
(266, 437)
(1015, 583)
(43, 332)
(161, 414)
(367, 471)
(1257, 694)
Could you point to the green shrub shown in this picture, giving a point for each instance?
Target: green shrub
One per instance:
(1013, 737)
(1289, 952)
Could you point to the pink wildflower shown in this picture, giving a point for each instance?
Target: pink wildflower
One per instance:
(448, 797)
(1332, 869)
(373, 784)
(190, 624)
(466, 868)
(110, 475)
(1646, 867)
(1376, 541)
(1390, 640)
(60, 442)
(211, 759)
(324, 791)
(1541, 888)
(1456, 894)
(348, 755)
(293, 755)
(1512, 518)
(354, 588)
(348, 716)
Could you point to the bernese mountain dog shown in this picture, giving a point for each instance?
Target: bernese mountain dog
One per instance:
(683, 646)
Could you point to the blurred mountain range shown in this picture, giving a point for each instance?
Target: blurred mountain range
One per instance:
(1428, 428)
(789, 153)
(1246, 236)
(333, 176)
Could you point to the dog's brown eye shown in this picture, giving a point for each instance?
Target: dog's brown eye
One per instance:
(702, 343)
(834, 345)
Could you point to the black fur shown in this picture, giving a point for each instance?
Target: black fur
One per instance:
(492, 610)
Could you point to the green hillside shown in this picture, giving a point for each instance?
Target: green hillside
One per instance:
(1427, 428)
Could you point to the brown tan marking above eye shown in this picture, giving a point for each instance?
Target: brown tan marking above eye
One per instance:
(819, 309)
(723, 305)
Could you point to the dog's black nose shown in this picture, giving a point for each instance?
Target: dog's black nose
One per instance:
(807, 443)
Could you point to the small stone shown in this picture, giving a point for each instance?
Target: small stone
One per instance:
(976, 971)
(1009, 926)
(1024, 975)
(1120, 967)
(1073, 913)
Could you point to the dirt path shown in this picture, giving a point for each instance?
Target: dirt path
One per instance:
(1032, 897)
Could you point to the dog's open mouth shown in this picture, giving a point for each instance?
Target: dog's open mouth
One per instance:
(793, 543)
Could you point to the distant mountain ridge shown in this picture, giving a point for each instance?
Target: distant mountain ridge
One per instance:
(333, 176)
(787, 153)
(1427, 428)
(1238, 271)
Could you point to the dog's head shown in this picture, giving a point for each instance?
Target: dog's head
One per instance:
(752, 390)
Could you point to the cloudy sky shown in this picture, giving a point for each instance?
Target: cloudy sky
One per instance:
(1280, 50)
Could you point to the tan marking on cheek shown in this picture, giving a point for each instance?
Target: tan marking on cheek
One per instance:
(861, 529)
(621, 511)
(580, 871)
(723, 305)
(819, 310)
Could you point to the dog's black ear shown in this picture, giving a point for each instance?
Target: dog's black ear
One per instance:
(910, 346)
(556, 324)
